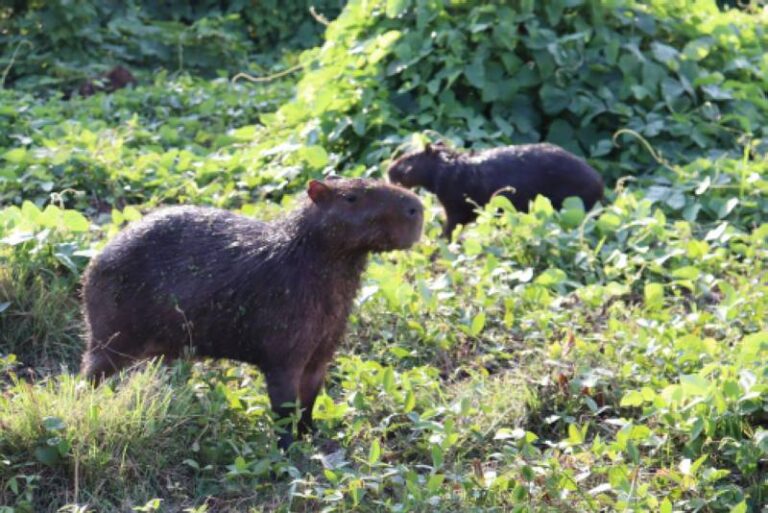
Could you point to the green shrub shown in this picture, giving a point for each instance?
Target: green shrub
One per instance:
(59, 43)
(688, 80)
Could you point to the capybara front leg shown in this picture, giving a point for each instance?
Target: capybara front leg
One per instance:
(311, 382)
(449, 227)
(282, 387)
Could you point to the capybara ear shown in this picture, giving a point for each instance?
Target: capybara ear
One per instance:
(318, 192)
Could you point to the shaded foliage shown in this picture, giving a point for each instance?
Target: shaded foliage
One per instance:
(61, 42)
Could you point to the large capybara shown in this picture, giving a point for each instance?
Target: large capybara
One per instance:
(463, 180)
(116, 78)
(274, 294)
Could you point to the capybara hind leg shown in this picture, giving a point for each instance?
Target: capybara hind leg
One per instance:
(282, 387)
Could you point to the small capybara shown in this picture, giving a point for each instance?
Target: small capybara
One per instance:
(463, 180)
(274, 294)
(116, 78)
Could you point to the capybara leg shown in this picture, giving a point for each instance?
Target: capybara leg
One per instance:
(450, 225)
(100, 364)
(282, 387)
(310, 384)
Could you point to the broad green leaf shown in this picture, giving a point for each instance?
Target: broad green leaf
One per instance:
(754, 348)
(478, 322)
(75, 221)
(16, 155)
(654, 295)
(131, 214)
(30, 212)
(315, 156)
(374, 454)
(551, 277)
(694, 385)
(396, 7)
(686, 273)
(739, 508)
(574, 434)
(631, 398)
(608, 223)
(437, 456)
(435, 482)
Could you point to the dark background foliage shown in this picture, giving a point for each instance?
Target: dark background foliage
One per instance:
(60, 42)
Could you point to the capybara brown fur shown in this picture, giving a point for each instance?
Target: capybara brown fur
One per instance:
(463, 180)
(116, 78)
(275, 294)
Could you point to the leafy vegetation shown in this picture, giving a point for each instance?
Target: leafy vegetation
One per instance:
(59, 42)
(611, 360)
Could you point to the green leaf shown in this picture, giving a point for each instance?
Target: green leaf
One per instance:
(574, 434)
(665, 54)
(434, 483)
(572, 213)
(527, 473)
(131, 214)
(519, 494)
(53, 424)
(554, 99)
(475, 72)
(666, 506)
(654, 295)
(686, 273)
(75, 221)
(631, 398)
(739, 508)
(437, 456)
(47, 455)
(388, 380)
(374, 454)
(694, 384)
(478, 322)
(410, 401)
(16, 155)
(608, 223)
(315, 156)
(30, 212)
(562, 133)
(754, 348)
(396, 7)
(551, 277)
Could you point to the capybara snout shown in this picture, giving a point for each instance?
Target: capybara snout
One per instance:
(407, 220)
(380, 218)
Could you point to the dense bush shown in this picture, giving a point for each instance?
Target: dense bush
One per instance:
(62, 42)
(689, 81)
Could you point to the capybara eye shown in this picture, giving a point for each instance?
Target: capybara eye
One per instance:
(351, 198)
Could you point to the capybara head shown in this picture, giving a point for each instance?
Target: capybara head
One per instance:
(119, 77)
(364, 215)
(417, 168)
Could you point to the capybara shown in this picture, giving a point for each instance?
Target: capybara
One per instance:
(274, 294)
(463, 180)
(116, 78)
